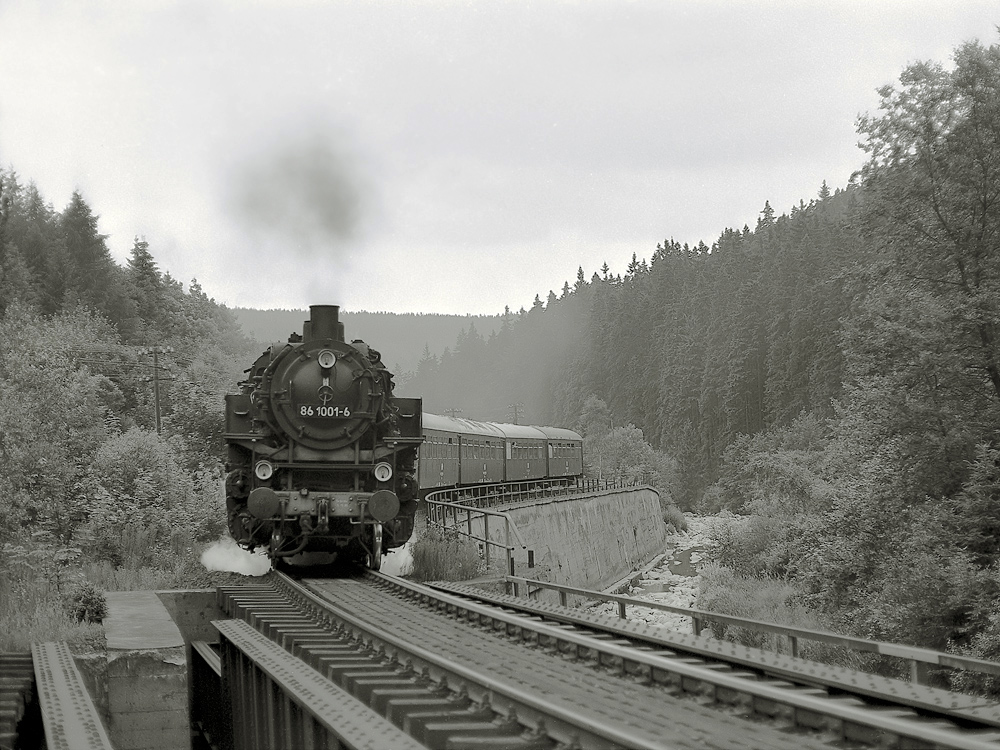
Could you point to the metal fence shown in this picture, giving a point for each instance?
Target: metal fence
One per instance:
(461, 509)
(514, 493)
(464, 520)
(921, 660)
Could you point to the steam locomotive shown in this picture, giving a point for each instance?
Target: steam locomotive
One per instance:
(323, 458)
(321, 455)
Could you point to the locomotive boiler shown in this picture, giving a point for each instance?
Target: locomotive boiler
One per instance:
(321, 454)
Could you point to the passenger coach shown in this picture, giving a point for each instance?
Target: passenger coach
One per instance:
(461, 452)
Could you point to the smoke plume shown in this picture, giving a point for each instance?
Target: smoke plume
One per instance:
(306, 192)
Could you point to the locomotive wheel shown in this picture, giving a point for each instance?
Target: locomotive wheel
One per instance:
(373, 561)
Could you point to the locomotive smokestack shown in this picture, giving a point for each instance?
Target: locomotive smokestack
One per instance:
(324, 323)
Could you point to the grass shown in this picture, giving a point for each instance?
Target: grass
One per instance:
(42, 594)
(769, 600)
(38, 607)
(445, 556)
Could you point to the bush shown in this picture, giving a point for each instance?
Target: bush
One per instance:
(87, 603)
(147, 509)
(673, 517)
(445, 556)
(33, 602)
(769, 600)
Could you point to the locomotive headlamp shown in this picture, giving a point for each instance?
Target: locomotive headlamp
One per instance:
(383, 472)
(326, 359)
(263, 470)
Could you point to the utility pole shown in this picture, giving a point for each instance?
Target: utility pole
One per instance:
(452, 412)
(516, 408)
(116, 363)
(156, 387)
(156, 351)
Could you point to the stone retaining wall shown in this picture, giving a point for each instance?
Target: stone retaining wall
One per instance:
(591, 540)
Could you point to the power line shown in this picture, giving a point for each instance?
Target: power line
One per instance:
(117, 362)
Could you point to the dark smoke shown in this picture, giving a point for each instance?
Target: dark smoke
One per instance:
(306, 193)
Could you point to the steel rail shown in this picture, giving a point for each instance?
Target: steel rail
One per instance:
(914, 654)
(865, 716)
(931, 701)
(579, 719)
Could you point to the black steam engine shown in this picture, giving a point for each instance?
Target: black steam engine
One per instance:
(322, 456)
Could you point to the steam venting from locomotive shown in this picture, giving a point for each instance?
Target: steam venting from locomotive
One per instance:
(321, 454)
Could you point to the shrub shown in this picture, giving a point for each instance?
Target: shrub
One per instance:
(769, 600)
(444, 556)
(673, 517)
(31, 605)
(87, 603)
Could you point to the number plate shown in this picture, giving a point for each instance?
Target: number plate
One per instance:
(325, 412)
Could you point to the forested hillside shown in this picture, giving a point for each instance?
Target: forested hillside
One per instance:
(95, 496)
(695, 347)
(831, 375)
(400, 337)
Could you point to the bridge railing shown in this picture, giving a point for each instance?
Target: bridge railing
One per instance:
(464, 519)
(460, 509)
(514, 493)
(920, 659)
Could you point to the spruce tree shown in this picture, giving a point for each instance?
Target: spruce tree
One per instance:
(146, 281)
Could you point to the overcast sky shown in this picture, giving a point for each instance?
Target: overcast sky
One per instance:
(442, 156)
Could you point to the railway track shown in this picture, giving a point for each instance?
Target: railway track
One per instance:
(452, 670)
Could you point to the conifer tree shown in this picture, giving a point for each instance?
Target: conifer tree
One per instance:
(146, 280)
(94, 279)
